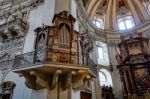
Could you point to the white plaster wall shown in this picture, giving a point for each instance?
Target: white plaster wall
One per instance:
(43, 14)
(75, 94)
(63, 5)
(74, 13)
(39, 94)
(20, 91)
(93, 84)
(93, 55)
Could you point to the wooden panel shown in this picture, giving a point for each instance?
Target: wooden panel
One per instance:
(6, 96)
(85, 95)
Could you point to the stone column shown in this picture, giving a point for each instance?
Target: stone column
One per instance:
(132, 82)
(124, 87)
(62, 5)
(114, 15)
(127, 83)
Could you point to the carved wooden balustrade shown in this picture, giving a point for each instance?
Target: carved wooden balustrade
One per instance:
(41, 65)
(35, 58)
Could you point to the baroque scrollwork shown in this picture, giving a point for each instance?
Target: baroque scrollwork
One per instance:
(14, 44)
(25, 4)
(7, 52)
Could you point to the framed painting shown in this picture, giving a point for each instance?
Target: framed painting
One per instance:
(142, 78)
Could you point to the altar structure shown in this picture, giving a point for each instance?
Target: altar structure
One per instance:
(134, 66)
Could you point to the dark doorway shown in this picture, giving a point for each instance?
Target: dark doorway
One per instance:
(6, 96)
(85, 95)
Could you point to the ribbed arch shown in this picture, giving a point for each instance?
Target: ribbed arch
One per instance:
(111, 8)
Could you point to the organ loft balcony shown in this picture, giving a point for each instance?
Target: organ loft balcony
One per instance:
(56, 57)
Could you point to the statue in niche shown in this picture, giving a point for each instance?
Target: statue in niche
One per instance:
(40, 46)
(41, 41)
(124, 53)
(7, 89)
(119, 58)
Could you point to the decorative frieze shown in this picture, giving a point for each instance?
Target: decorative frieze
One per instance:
(13, 2)
(14, 8)
(7, 53)
(13, 29)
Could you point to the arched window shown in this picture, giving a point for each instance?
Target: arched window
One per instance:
(125, 23)
(102, 77)
(64, 36)
(100, 52)
(99, 22)
(105, 78)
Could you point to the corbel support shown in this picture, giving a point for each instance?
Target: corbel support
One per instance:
(41, 79)
(30, 80)
(79, 80)
(68, 79)
(54, 80)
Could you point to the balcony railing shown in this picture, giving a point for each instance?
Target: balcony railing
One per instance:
(29, 59)
(35, 58)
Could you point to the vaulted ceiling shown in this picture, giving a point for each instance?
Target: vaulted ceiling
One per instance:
(111, 10)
